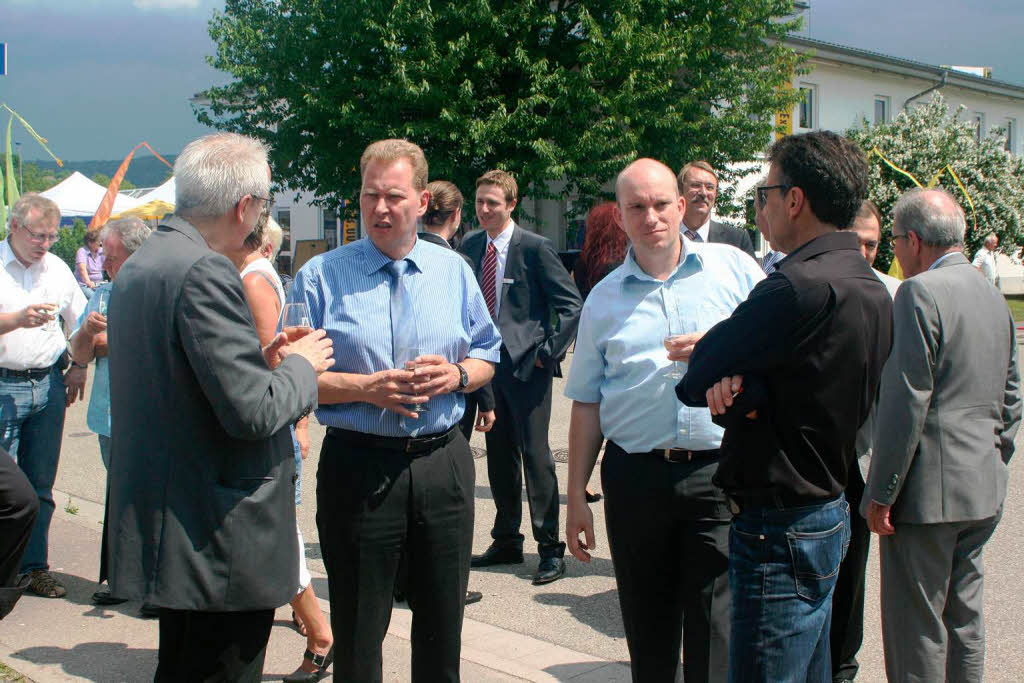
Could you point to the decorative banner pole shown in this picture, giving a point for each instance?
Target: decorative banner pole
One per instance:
(103, 211)
(11, 195)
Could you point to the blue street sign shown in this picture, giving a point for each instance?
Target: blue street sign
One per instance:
(3, 59)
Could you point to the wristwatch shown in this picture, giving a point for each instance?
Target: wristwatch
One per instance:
(463, 377)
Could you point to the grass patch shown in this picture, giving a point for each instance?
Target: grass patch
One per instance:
(70, 507)
(1016, 305)
(9, 674)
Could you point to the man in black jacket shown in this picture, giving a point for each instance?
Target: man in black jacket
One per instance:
(537, 307)
(698, 184)
(792, 375)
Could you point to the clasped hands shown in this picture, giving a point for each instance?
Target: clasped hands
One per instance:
(394, 390)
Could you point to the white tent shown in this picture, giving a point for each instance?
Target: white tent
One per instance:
(76, 195)
(164, 193)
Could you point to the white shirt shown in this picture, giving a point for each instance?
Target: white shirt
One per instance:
(500, 243)
(703, 230)
(48, 281)
(891, 283)
(986, 260)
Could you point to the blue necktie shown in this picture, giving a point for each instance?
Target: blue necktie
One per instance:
(403, 318)
(694, 235)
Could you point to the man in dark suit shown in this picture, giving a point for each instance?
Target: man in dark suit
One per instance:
(201, 518)
(537, 308)
(698, 183)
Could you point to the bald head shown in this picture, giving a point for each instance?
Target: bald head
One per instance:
(931, 213)
(643, 171)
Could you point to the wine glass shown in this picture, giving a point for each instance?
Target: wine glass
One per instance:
(675, 370)
(51, 300)
(102, 301)
(295, 322)
(405, 359)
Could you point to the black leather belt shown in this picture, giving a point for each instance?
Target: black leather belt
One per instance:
(777, 499)
(415, 446)
(34, 373)
(683, 454)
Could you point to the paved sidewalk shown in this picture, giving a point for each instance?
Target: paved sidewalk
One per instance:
(74, 640)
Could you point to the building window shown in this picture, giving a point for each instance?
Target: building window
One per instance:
(808, 106)
(1011, 136)
(979, 123)
(284, 219)
(881, 109)
(329, 228)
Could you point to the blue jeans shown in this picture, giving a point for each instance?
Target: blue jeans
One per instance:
(31, 429)
(783, 565)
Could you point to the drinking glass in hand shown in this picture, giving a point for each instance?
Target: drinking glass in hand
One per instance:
(406, 360)
(675, 370)
(295, 323)
(51, 301)
(102, 301)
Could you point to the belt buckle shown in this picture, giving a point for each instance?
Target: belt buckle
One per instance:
(667, 454)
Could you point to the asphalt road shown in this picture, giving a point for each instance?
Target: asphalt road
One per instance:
(581, 611)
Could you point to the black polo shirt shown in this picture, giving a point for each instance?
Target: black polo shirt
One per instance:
(810, 341)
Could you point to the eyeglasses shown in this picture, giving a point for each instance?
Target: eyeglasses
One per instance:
(41, 237)
(762, 193)
(892, 242)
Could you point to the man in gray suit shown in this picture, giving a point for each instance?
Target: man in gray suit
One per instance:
(949, 407)
(201, 517)
(698, 184)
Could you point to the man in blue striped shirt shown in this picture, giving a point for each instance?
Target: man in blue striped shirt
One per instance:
(391, 479)
(668, 524)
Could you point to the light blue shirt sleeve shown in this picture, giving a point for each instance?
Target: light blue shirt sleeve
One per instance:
(587, 371)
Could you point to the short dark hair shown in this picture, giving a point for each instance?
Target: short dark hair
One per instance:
(869, 208)
(830, 170)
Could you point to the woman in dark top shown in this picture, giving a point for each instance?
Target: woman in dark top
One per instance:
(604, 248)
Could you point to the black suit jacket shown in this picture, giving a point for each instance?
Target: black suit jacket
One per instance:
(201, 484)
(484, 395)
(540, 305)
(723, 233)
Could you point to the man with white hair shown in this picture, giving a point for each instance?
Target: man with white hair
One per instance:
(35, 287)
(985, 260)
(948, 411)
(201, 513)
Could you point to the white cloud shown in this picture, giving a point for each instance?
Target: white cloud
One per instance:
(166, 4)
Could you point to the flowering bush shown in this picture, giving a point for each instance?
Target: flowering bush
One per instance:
(922, 141)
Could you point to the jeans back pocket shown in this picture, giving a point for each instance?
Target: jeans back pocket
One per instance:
(816, 556)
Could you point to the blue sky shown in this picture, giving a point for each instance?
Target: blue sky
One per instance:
(98, 76)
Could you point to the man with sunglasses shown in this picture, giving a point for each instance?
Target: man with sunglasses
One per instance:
(35, 288)
(792, 375)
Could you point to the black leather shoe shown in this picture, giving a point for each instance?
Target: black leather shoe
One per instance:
(103, 597)
(148, 611)
(550, 569)
(473, 596)
(593, 497)
(498, 555)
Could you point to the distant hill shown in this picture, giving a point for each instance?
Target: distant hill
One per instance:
(144, 171)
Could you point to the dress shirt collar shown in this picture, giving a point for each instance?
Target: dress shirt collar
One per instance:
(501, 242)
(374, 259)
(704, 231)
(830, 241)
(690, 257)
(942, 258)
(181, 225)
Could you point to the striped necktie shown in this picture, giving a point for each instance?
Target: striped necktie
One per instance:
(487, 278)
(693, 235)
(769, 261)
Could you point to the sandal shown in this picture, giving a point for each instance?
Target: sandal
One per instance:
(320, 661)
(299, 626)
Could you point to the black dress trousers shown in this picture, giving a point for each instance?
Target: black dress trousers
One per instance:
(518, 444)
(373, 505)
(668, 531)
(213, 647)
(19, 505)
(847, 630)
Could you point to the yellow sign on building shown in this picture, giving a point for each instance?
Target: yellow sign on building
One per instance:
(783, 123)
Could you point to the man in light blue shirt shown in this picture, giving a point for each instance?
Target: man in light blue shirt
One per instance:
(667, 523)
(393, 480)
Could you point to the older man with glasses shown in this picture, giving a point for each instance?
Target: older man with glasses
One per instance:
(35, 288)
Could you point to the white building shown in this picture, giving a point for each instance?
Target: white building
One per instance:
(845, 87)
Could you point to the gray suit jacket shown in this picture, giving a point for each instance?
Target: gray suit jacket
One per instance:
(950, 400)
(201, 485)
(723, 233)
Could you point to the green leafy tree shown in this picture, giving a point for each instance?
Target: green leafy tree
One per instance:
(36, 179)
(922, 142)
(69, 241)
(567, 90)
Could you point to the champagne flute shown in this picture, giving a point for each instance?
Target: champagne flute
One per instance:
(295, 322)
(102, 301)
(675, 370)
(406, 360)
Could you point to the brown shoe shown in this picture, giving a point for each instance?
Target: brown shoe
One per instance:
(42, 583)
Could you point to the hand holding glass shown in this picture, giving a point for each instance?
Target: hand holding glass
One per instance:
(102, 301)
(675, 370)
